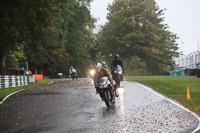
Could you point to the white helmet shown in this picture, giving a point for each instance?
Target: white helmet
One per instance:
(104, 63)
(98, 67)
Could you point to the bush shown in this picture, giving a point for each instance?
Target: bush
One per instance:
(135, 66)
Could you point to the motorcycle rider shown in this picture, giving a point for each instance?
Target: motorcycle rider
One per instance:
(102, 72)
(116, 62)
(105, 65)
(72, 70)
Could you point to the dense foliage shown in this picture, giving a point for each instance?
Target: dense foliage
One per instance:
(51, 35)
(21, 22)
(135, 30)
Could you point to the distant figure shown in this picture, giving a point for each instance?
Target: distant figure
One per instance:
(73, 73)
(72, 70)
(30, 72)
(22, 71)
(104, 65)
(26, 73)
(115, 66)
(116, 62)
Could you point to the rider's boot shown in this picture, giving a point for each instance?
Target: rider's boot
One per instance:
(97, 91)
(116, 94)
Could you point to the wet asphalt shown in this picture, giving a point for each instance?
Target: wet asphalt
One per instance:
(68, 106)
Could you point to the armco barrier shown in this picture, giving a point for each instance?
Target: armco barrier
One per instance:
(7, 81)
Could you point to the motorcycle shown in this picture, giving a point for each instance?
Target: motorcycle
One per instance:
(106, 91)
(117, 76)
(74, 75)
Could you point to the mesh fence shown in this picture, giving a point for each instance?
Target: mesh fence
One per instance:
(191, 61)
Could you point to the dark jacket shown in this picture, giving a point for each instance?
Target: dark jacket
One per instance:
(115, 63)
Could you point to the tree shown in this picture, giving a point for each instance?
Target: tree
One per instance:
(135, 29)
(53, 34)
(135, 66)
(22, 22)
(69, 42)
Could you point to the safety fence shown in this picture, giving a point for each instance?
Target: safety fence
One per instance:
(187, 65)
(7, 81)
(191, 61)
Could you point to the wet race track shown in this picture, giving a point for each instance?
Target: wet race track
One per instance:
(73, 106)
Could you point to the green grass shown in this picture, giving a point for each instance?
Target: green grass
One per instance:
(6, 91)
(174, 87)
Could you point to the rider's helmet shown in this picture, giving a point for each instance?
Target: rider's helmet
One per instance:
(98, 67)
(117, 57)
(104, 65)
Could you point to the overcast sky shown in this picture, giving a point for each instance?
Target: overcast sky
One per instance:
(182, 16)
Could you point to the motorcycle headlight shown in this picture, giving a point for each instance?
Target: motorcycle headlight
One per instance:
(120, 90)
(120, 72)
(92, 72)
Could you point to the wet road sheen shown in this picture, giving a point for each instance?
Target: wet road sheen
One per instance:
(73, 106)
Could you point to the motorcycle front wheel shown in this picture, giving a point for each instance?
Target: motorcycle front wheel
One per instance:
(107, 99)
(118, 83)
(117, 79)
(112, 92)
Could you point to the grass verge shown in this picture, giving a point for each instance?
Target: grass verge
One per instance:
(174, 87)
(6, 91)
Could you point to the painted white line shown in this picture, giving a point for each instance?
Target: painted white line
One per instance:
(17, 92)
(10, 95)
(173, 102)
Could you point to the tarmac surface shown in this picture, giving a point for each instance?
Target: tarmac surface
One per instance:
(73, 106)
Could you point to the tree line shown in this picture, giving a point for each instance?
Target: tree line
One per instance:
(53, 35)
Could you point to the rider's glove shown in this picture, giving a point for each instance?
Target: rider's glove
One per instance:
(112, 82)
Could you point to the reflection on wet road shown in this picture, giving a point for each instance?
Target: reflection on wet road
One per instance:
(75, 107)
(121, 92)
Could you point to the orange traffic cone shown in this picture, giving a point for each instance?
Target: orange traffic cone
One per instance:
(187, 93)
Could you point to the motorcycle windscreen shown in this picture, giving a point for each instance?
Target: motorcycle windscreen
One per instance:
(103, 81)
(118, 68)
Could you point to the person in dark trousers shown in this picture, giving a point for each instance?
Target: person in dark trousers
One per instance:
(116, 62)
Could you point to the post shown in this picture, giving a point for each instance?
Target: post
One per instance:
(26, 65)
